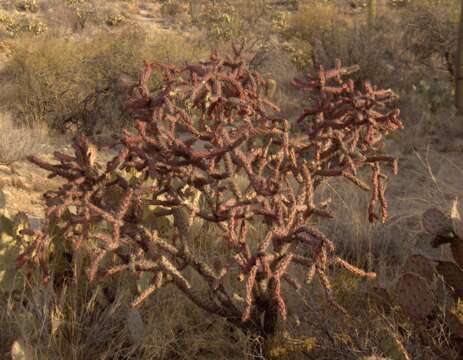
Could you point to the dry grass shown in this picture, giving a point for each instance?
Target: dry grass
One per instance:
(17, 142)
(77, 83)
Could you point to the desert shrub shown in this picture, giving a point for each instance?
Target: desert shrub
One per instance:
(78, 84)
(208, 146)
(430, 30)
(311, 28)
(27, 5)
(318, 33)
(253, 23)
(51, 82)
(220, 25)
(436, 93)
(75, 15)
(310, 22)
(173, 8)
(114, 20)
(16, 25)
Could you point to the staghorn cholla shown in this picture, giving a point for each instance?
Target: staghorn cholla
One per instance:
(211, 130)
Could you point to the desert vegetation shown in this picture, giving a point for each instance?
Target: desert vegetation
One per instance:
(231, 179)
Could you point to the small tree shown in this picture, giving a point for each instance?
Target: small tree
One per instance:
(211, 132)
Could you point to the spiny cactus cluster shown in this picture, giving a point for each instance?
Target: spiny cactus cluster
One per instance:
(211, 131)
(11, 245)
(446, 229)
(414, 295)
(416, 289)
(418, 294)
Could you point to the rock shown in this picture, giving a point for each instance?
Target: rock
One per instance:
(5, 169)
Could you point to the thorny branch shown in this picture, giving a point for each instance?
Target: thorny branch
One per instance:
(211, 131)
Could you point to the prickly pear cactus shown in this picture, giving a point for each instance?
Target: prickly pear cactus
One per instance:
(10, 248)
(414, 295)
(419, 264)
(436, 222)
(390, 345)
(446, 229)
(454, 320)
(453, 276)
(422, 244)
(457, 251)
(135, 325)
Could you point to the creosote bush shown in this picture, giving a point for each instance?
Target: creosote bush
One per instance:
(253, 22)
(70, 84)
(208, 145)
(430, 31)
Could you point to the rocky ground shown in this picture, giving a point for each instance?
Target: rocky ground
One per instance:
(22, 184)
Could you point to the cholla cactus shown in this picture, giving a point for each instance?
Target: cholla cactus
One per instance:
(210, 128)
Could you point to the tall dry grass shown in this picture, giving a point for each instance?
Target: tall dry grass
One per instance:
(18, 141)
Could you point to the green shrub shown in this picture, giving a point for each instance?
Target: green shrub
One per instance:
(318, 33)
(430, 30)
(173, 8)
(114, 20)
(27, 5)
(72, 84)
(16, 25)
(315, 20)
(77, 14)
(251, 22)
(312, 26)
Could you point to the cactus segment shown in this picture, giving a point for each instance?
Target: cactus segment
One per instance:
(457, 251)
(453, 276)
(414, 295)
(135, 325)
(419, 264)
(436, 222)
